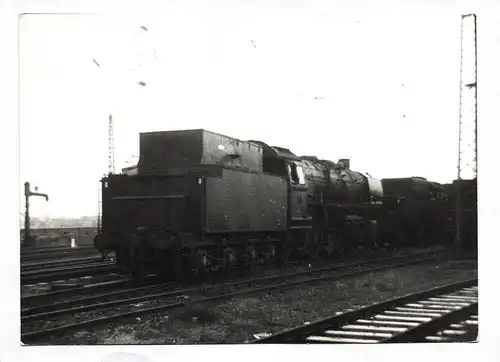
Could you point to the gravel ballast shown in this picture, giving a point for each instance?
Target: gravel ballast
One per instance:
(238, 319)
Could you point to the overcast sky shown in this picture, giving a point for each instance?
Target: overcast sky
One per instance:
(387, 83)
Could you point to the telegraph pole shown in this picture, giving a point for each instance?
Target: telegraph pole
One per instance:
(466, 84)
(99, 203)
(111, 141)
(111, 147)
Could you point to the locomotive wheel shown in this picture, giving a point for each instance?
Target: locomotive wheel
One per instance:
(392, 240)
(335, 245)
(175, 269)
(241, 257)
(311, 247)
(137, 272)
(251, 254)
(282, 253)
(136, 263)
(401, 238)
(272, 252)
(269, 253)
(329, 247)
(420, 237)
(122, 258)
(189, 268)
(202, 263)
(230, 260)
(315, 245)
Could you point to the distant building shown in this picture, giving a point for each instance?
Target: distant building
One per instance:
(45, 222)
(63, 236)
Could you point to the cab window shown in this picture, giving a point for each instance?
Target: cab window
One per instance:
(296, 174)
(300, 174)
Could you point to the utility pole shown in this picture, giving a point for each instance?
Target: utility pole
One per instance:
(111, 147)
(98, 210)
(468, 80)
(111, 142)
(27, 194)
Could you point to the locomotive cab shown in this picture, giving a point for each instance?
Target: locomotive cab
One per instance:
(296, 174)
(298, 196)
(282, 162)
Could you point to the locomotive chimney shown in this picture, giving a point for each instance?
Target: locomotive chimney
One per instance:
(345, 163)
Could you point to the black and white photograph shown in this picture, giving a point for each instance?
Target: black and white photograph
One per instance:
(249, 173)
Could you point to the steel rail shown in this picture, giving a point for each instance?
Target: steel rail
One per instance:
(47, 275)
(55, 256)
(84, 288)
(411, 318)
(62, 263)
(33, 336)
(64, 307)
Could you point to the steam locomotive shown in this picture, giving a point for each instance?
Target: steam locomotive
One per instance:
(201, 202)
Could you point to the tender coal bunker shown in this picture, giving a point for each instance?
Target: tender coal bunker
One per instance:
(164, 153)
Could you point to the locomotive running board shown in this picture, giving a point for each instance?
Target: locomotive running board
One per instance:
(166, 197)
(300, 227)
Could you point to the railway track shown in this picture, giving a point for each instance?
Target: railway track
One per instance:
(61, 263)
(55, 253)
(51, 319)
(83, 290)
(53, 274)
(32, 251)
(36, 249)
(443, 314)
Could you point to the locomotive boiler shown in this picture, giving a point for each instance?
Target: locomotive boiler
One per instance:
(202, 202)
(345, 204)
(335, 183)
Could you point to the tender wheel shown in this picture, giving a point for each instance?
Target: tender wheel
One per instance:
(315, 248)
(249, 254)
(282, 253)
(122, 258)
(229, 258)
(330, 245)
(136, 263)
(252, 254)
(402, 238)
(421, 237)
(333, 246)
(172, 268)
(272, 252)
(202, 263)
(103, 255)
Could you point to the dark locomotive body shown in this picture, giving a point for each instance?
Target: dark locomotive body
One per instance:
(199, 202)
(203, 202)
(414, 211)
(466, 202)
(332, 183)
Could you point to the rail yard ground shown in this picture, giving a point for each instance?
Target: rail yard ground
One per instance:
(237, 320)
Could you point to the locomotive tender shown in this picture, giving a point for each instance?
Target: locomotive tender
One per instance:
(202, 202)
